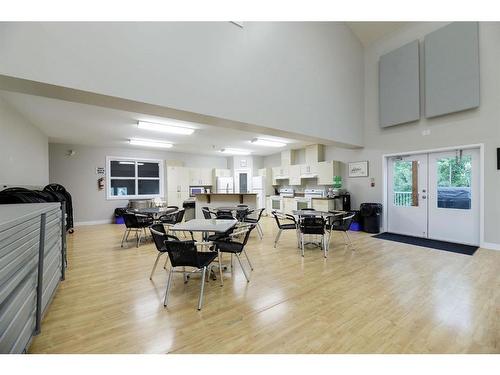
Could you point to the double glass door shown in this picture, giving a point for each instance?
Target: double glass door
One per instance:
(435, 196)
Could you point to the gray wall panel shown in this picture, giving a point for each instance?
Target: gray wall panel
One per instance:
(399, 91)
(452, 69)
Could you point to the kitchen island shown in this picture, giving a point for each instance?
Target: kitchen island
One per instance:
(214, 200)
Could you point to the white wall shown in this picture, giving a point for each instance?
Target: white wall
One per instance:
(469, 127)
(24, 156)
(77, 174)
(481, 125)
(303, 77)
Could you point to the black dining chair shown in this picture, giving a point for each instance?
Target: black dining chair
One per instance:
(135, 223)
(234, 244)
(284, 222)
(185, 254)
(159, 237)
(340, 224)
(169, 219)
(207, 214)
(312, 225)
(253, 217)
(224, 215)
(242, 212)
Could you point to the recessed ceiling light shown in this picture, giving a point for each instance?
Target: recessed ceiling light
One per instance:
(267, 142)
(234, 151)
(173, 128)
(149, 143)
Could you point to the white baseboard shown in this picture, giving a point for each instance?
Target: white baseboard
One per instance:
(96, 222)
(491, 246)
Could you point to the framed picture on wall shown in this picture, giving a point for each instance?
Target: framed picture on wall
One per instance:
(358, 169)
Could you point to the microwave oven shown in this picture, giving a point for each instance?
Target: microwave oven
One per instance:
(193, 190)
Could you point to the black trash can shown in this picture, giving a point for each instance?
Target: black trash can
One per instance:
(189, 209)
(119, 215)
(371, 214)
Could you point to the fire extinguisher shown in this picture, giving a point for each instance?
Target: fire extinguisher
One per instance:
(100, 183)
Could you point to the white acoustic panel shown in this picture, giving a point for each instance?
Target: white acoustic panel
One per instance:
(399, 86)
(452, 69)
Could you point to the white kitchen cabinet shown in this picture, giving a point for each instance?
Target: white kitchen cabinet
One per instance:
(194, 176)
(275, 173)
(221, 173)
(280, 173)
(326, 171)
(177, 179)
(323, 204)
(288, 205)
(176, 198)
(309, 170)
(206, 176)
(314, 154)
(294, 175)
(200, 177)
(287, 157)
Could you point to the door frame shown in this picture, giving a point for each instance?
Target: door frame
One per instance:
(385, 187)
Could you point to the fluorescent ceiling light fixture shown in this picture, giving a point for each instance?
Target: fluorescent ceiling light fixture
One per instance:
(234, 151)
(165, 128)
(149, 143)
(267, 142)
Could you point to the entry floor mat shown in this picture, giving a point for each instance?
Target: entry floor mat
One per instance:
(425, 242)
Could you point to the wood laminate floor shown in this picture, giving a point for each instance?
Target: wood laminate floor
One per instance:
(383, 297)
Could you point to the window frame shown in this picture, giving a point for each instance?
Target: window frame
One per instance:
(136, 178)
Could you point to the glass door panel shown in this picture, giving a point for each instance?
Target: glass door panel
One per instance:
(454, 198)
(407, 190)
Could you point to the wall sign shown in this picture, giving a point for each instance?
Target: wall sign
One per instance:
(100, 170)
(358, 169)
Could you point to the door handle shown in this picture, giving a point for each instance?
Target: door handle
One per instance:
(424, 196)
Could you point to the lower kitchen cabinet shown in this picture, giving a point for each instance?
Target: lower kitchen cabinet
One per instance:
(323, 204)
(288, 205)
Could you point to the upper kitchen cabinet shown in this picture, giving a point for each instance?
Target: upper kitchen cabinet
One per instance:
(221, 173)
(200, 176)
(326, 170)
(281, 173)
(295, 175)
(314, 154)
(287, 157)
(309, 170)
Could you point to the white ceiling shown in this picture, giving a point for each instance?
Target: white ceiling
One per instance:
(75, 123)
(369, 32)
